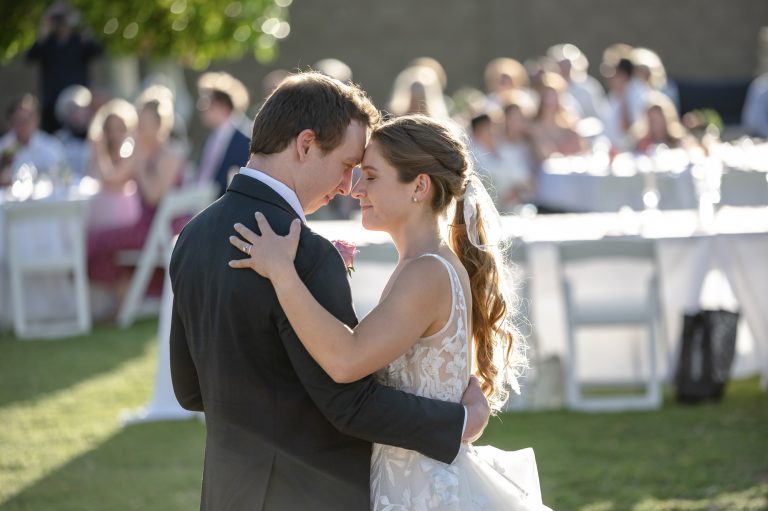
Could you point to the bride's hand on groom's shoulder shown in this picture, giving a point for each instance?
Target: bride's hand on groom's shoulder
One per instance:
(269, 254)
(478, 411)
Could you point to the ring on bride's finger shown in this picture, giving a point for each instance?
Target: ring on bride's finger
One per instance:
(247, 248)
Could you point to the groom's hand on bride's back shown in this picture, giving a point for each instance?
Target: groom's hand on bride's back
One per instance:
(478, 411)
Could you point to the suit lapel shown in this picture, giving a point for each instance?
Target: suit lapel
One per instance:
(256, 189)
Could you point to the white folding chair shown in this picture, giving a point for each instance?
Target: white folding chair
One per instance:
(157, 248)
(47, 237)
(611, 312)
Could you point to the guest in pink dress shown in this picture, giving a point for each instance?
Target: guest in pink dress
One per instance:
(112, 135)
(156, 169)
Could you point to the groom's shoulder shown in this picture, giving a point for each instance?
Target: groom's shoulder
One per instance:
(316, 253)
(311, 242)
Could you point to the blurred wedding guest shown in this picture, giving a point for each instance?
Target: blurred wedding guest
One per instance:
(754, 116)
(553, 127)
(435, 66)
(626, 101)
(484, 144)
(649, 72)
(417, 90)
(335, 69)
(112, 138)
(223, 99)
(442, 76)
(73, 109)
(516, 150)
(504, 74)
(584, 89)
(491, 161)
(156, 169)
(661, 126)
(537, 68)
(25, 143)
(64, 54)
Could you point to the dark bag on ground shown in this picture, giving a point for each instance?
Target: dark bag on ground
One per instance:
(709, 343)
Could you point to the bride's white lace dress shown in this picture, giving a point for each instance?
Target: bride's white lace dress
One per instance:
(481, 478)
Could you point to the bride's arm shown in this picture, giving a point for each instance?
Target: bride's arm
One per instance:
(410, 308)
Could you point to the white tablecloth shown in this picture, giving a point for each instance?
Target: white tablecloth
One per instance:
(590, 184)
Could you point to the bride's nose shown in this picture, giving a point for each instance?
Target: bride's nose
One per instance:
(358, 190)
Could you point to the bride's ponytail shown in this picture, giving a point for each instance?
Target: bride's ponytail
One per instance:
(416, 145)
(494, 334)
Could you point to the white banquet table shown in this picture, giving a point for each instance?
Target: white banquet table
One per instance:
(49, 228)
(735, 243)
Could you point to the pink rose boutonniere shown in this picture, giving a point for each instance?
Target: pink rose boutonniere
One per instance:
(348, 252)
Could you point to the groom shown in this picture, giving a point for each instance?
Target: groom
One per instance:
(281, 434)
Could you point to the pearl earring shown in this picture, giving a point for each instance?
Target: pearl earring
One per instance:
(413, 199)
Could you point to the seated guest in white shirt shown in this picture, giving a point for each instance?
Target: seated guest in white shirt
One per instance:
(25, 143)
(626, 98)
(494, 160)
(516, 184)
(223, 101)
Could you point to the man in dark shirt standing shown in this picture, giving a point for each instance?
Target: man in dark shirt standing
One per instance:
(64, 54)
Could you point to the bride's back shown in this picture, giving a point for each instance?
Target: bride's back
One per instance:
(437, 365)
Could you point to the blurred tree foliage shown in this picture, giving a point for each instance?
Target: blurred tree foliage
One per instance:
(193, 31)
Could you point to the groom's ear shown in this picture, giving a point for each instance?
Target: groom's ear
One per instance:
(304, 142)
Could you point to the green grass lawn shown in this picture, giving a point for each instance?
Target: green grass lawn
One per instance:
(62, 446)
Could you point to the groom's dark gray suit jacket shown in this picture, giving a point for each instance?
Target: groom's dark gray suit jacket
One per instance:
(281, 434)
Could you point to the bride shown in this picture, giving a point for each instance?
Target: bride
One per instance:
(443, 315)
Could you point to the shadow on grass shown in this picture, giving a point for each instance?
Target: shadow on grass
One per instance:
(647, 460)
(29, 369)
(143, 467)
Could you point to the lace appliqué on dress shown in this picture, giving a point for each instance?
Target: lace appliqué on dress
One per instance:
(480, 478)
(435, 367)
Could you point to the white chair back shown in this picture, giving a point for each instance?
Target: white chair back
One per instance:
(189, 200)
(47, 237)
(611, 311)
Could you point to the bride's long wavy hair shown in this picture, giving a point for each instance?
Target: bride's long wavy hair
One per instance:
(415, 145)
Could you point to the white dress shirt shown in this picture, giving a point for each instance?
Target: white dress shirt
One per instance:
(43, 151)
(278, 186)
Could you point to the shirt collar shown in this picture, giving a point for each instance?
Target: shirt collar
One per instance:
(279, 187)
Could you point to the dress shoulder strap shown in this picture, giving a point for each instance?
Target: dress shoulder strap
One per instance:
(458, 301)
(448, 266)
(454, 277)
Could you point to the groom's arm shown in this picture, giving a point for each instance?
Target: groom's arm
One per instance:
(366, 409)
(183, 371)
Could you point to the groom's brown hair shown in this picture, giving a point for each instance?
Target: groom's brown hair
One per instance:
(310, 100)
